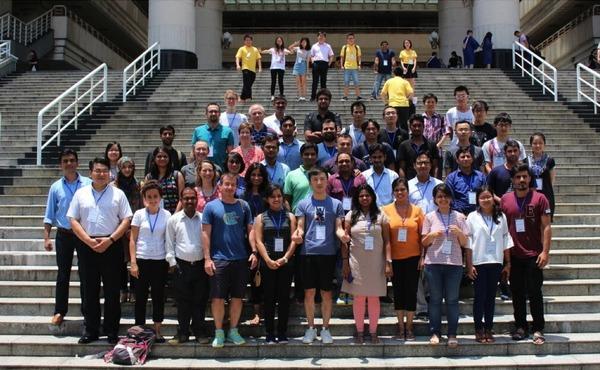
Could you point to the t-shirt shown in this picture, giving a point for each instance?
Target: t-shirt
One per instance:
(273, 123)
(331, 165)
(258, 135)
(351, 55)
(408, 56)
(450, 157)
(385, 61)
(493, 152)
(482, 133)
(453, 115)
(297, 186)
(343, 190)
(421, 193)
(461, 185)
(530, 209)
(437, 253)
(249, 56)
(397, 90)
(500, 181)
(314, 121)
(408, 151)
(278, 58)
(394, 138)
(233, 121)
(218, 140)
(319, 225)
(325, 153)
(409, 245)
(381, 184)
(301, 55)
(358, 137)
(228, 237)
(488, 240)
(150, 244)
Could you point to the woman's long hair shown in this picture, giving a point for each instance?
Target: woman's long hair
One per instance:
(496, 211)
(262, 188)
(356, 209)
(154, 173)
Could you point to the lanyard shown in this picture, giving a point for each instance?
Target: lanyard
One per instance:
(380, 179)
(405, 212)
(491, 227)
(331, 151)
(256, 203)
(100, 197)
(446, 224)
(424, 191)
(470, 182)
(391, 137)
(357, 135)
(273, 173)
(347, 185)
(152, 225)
(279, 224)
(232, 121)
(286, 152)
(369, 222)
(69, 186)
(522, 204)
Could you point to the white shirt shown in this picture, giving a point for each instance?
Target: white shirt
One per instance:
(454, 115)
(493, 152)
(99, 213)
(381, 184)
(488, 247)
(183, 239)
(277, 173)
(150, 244)
(273, 123)
(421, 194)
(278, 58)
(321, 52)
(233, 121)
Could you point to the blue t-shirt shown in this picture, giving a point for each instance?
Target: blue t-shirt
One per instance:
(229, 224)
(218, 140)
(387, 56)
(318, 214)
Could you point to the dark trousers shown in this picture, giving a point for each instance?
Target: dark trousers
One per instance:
(526, 281)
(298, 285)
(276, 287)
(403, 114)
(191, 287)
(319, 72)
(66, 244)
(153, 276)
(101, 268)
(405, 282)
(277, 76)
(248, 78)
(484, 303)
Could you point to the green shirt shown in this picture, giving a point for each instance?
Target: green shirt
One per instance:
(297, 186)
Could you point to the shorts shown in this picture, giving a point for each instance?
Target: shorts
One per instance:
(230, 279)
(350, 74)
(318, 271)
(299, 69)
(409, 73)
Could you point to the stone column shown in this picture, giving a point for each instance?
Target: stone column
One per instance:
(209, 31)
(501, 18)
(454, 19)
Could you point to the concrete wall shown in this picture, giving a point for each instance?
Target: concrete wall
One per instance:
(128, 16)
(575, 45)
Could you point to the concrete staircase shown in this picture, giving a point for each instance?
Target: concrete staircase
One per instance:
(572, 287)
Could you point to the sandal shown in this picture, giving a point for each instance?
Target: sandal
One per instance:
(538, 338)
(519, 334)
(480, 337)
(452, 342)
(489, 336)
(434, 339)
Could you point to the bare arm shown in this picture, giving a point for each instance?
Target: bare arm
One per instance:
(135, 272)
(546, 230)
(209, 265)
(47, 240)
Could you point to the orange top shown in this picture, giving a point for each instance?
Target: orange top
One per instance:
(412, 223)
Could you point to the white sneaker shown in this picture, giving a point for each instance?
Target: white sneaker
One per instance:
(272, 98)
(309, 335)
(326, 336)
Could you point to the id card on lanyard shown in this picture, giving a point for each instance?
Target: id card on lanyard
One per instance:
(369, 240)
(446, 247)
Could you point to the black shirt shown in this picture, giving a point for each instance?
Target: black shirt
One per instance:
(362, 152)
(394, 139)
(482, 133)
(314, 122)
(270, 221)
(450, 157)
(408, 151)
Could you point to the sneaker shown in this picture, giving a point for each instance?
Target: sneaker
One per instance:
(179, 339)
(234, 337)
(326, 336)
(504, 297)
(359, 98)
(272, 97)
(309, 335)
(340, 301)
(302, 98)
(219, 340)
(270, 339)
(299, 98)
(282, 339)
(345, 98)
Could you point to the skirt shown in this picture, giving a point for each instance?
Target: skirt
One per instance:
(299, 68)
(409, 73)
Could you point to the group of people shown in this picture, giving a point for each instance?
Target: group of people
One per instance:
(421, 200)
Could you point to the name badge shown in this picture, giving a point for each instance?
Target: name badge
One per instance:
(369, 243)
(347, 203)
(446, 247)
(385, 63)
(278, 244)
(248, 55)
(210, 151)
(472, 198)
(402, 235)
(490, 247)
(498, 161)
(320, 232)
(539, 184)
(520, 225)
(152, 243)
(93, 215)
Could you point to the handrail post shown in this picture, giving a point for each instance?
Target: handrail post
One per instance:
(595, 99)
(158, 57)
(578, 82)
(543, 80)
(555, 85)
(38, 156)
(513, 56)
(124, 85)
(144, 69)
(105, 87)
(76, 106)
(59, 121)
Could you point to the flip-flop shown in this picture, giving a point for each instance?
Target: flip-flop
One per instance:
(434, 339)
(452, 342)
(538, 338)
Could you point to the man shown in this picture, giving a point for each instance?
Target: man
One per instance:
(434, 61)
(247, 59)
(328, 147)
(231, 118)
(409, 149)
(397, 93)
(289, 150)
(482, 131)
(319, 223)
(274, 120)
(178, 159)
(342, 184)
(462, 110)
(313, 122)
(218, 137)
(385, 60)
(391, 133)
(500, 179)
(463, 132)
(492, 150)
(528, 215)
(354, 129)
(277, 171)
(371, 131)
(321, 56)
(185, 257)
(297, 186)
(226, 230)
(464, 182)
(350, 60)
(379, 177)
(259, 130)
(200, 153)
(59, 198)
(344, 145)
(99, 216)
(522, 38)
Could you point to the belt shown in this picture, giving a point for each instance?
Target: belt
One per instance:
(184, 262)
(64, 231)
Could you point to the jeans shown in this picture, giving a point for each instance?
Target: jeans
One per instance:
(248, 78)
(526, 281)
(65, 245)
(351, 74)
(444, 283)
(484, 303)
(379, 80)
(277, 76)
(319, 72)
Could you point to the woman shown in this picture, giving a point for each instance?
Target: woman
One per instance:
(113, 153)
(171, 181)
(486, 46)
(542, 166)
(249, 152)
(408, 62)
(302, 50)
(234, 164)
(406, 221)
(469, 47)
(147, 252)
(444, 235)
(366, 262)
(273, 230)
(490, 244)
(231, 118)
(257, 182)
(206, 184)
(278, 53)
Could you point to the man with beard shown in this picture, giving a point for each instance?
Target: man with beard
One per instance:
(327, 148)
(344, 145)
(218, 137)
(417, 144)
(371, 130)
(313, 123)
(178, 159)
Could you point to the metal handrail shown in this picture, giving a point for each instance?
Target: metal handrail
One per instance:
(13, 28)
(5, 51)
(595, 89)
(526, 65)
(150, 56)
(594, 10)
(72, 108)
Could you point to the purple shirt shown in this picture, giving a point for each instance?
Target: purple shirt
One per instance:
(338, 188)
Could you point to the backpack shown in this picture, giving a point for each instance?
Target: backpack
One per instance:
(134, 348)
(343, 53)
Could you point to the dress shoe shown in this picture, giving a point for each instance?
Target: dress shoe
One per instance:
(85, 339)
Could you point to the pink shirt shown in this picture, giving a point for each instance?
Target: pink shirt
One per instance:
(434, 221)
(253, 155)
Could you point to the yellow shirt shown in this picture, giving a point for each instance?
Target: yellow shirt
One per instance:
(397, 90)
(408, 56)
(351, 54)
(249, 56)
